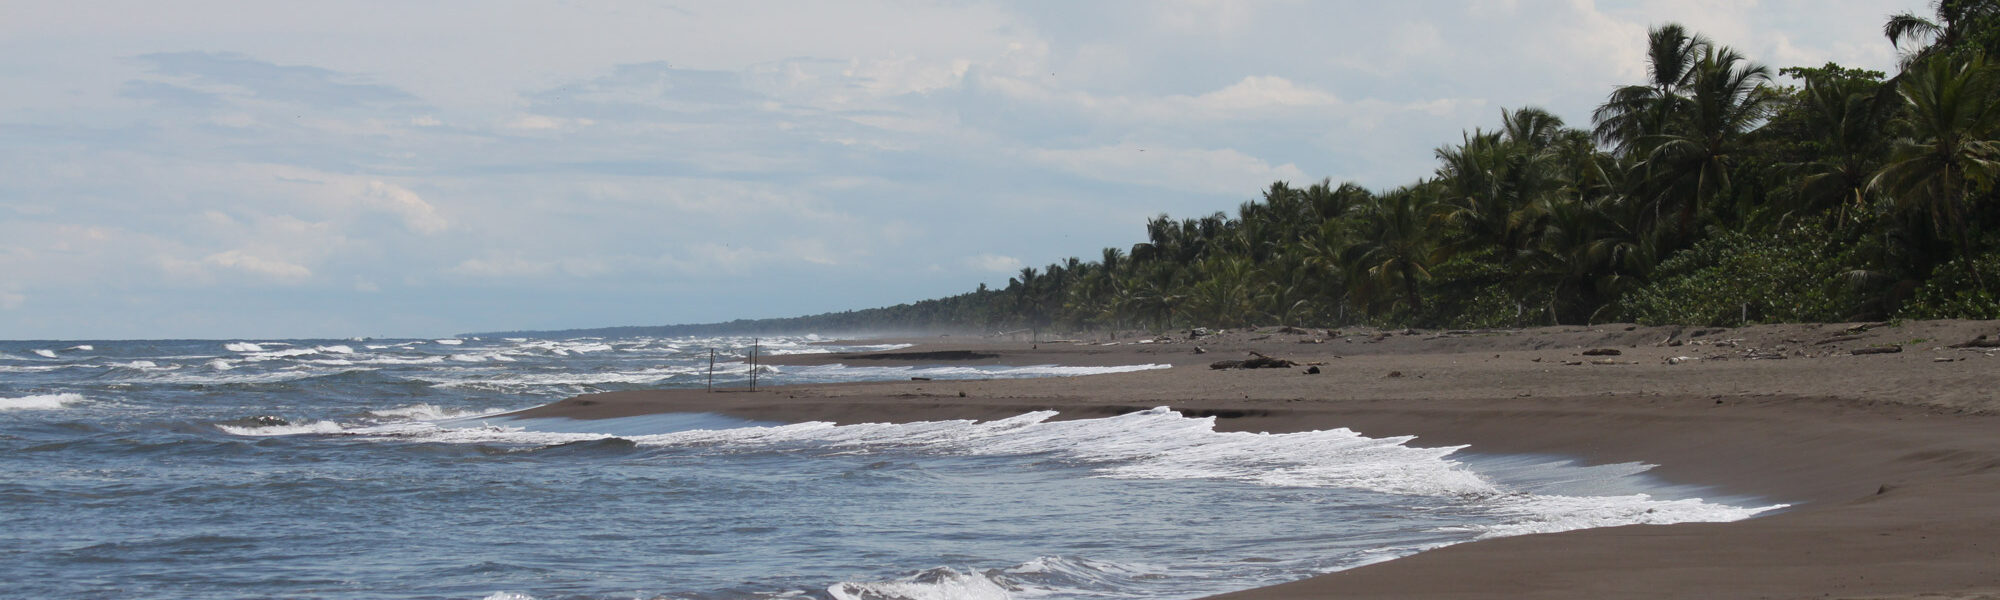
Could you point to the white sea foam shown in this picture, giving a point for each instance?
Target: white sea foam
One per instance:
(41, 402)
(1156, 444)
(139, 364)
(482, 357)
(242, 347)
(450, 342)
(398, 360)
(508, 596)
(823, 349)
(1042, 577)
(1528, 513)
(315, 427)
(942, 583)
(514, 381)
(44, 353)
(430, 412)
(83, 347)
(278, 376)
(1152, 444)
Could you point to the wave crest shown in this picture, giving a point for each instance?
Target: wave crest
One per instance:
(41, 402)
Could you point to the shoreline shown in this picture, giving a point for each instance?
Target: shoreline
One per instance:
(1892, 461)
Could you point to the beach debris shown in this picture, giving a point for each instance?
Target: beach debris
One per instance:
(1199, 350)
(920, 379)
(1605, 361)
(1680, 359)
(1198, 332)
(1888, 349)
(1837, 339)
(1312, 341)
(1256, 361)
(1290, 330)
(1602, 352)
(1865, 327)
(1334, 333)
(1312, 370)
(1944, 359)
(1572, 363)
(1395, 374)
(1979, 342)
(1260, 338)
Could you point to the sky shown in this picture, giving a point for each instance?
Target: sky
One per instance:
(214, 169)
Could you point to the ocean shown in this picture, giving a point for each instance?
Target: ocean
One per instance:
(380, 469)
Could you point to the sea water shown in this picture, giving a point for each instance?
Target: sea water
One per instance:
(381, 469)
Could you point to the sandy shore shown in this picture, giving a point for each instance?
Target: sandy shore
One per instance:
(1892, 459)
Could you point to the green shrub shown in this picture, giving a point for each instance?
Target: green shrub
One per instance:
(1953, 293)
(1739, 278)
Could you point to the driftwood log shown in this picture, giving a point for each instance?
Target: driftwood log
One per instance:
(1891, 349)
(1256, 361)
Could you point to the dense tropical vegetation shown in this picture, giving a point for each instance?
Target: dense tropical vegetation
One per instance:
(1718, 191)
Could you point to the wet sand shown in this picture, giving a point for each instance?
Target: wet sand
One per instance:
(1892, 460)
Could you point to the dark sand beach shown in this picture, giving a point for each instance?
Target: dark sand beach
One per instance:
(1891, 459)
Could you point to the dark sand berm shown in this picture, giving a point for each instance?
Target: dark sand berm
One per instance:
(1892, 460)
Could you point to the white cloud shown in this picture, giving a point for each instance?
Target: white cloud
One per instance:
(547, 123)
(1219, 171)
(417, 214)
(507, 267)
(992, 263)
(273, 269)
(1205, 17)
(504, 267)
(1264, 92)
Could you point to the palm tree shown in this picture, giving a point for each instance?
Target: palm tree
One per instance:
(1952, 115)
(1635, 112)
(1689, 164)
(1396, 244)
(1493, 181)
(1960, 26)
(1849, 111)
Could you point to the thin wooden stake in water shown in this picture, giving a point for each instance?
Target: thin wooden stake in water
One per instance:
(711, 370)
(754, 343)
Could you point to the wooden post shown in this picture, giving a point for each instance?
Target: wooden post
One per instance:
(711, 370)
(754, 343)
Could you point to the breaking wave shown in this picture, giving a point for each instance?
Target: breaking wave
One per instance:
(41, 402)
